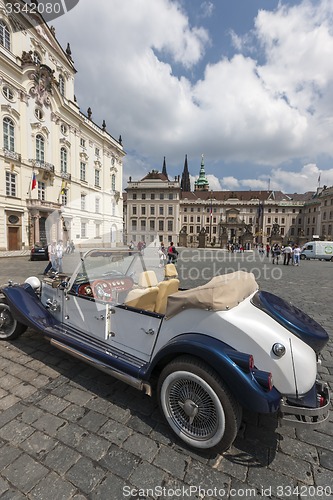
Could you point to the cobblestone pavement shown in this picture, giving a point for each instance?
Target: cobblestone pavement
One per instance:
(69, 431)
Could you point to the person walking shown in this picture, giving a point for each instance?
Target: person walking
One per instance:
(268, 249)
(276, 253)
(161, 255)
(59, 254)
(287, 251)
(297, 255)
(172, 253)
(52, 264)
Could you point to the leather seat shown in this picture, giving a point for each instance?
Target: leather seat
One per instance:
(170, 271)
(147, 279)
(142, 298)
(165, 288)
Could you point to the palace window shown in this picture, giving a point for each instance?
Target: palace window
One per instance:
(83, 201)
(41, 190)
(113, 182)
(63, 160)
(8, 134)
(82, 171)
(40, 148)
(97, 178)
(8, 93)
(97, 205)
(62, 86)
(10, 184)
(36, 58)
(4, 35)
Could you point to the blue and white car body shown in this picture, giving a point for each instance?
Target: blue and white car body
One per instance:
(208, 352)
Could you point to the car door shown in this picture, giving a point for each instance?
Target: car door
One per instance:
(133, 331)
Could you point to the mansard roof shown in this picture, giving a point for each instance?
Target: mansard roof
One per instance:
(244, 196)
(155, 175)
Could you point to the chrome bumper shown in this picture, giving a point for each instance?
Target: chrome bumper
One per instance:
(300, 417)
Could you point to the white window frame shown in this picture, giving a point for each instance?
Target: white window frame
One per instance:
(10, 184)
(63, 160)
(4, 35)
(40, 148)
(8, 134)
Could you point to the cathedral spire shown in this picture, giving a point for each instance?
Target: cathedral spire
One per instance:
(164, 170)
(201, 184)
(185, 183)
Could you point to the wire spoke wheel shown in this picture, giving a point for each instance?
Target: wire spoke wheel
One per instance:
(10, 328)
(197, 406)
(193, 407)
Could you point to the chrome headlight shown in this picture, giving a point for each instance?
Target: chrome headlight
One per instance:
(278, 349)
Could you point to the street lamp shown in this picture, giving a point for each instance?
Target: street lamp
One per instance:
(210, 216)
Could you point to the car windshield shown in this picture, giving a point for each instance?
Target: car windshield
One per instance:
(109, 263)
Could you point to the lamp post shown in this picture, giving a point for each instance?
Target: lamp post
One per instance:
(210, 216)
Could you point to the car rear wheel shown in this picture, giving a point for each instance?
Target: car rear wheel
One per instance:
(10, 328)
(197, 405)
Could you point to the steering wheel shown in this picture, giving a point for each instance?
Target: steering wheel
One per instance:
(102, 290)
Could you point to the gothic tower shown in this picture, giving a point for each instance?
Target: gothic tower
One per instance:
(185, 183)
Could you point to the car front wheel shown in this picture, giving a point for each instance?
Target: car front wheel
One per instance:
(197, 405)
(10, 328)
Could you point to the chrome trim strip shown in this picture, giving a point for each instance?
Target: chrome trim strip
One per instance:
(124, 377)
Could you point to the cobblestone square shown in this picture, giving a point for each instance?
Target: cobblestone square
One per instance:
(68, 431)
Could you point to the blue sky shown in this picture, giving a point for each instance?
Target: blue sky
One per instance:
(247, 83)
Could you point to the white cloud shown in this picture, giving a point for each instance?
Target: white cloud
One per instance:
(207, 9)
(264, 114)
(283, 180)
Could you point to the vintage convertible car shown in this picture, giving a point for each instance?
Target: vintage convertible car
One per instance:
(208, 352)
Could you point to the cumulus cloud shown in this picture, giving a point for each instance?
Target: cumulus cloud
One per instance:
(240, 110)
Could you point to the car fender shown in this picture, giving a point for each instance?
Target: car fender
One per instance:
(242, 384)
(27, 308)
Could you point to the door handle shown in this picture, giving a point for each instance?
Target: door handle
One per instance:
(150, 331)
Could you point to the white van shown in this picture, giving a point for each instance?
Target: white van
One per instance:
(318, 250)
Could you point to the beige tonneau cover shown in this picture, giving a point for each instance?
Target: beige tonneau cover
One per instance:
(219, 294)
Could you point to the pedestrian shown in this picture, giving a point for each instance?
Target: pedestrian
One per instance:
(287, 251)
(68, 246)
(276, 253)
(59, 253)
(268, 248)
(131, 247)
(52, 264)
(161, 255)
(172, 253)
(297, 255)
(72, 246)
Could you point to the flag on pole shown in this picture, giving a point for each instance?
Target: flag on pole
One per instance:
(319, 179)
(33, 181)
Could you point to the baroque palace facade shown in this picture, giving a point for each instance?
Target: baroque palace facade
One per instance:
(157, 209)
(53, 158)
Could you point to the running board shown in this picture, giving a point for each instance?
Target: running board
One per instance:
(124, 377)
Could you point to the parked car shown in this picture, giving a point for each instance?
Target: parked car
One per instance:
(39, 252)
(207, 352)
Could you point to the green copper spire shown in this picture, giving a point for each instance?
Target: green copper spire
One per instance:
(202, 183)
